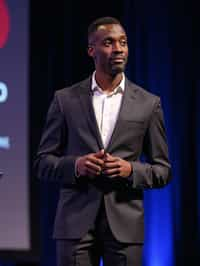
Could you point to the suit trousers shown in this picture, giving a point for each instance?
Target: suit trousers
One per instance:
(98, 243)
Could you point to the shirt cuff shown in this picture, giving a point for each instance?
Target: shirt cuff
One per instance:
(130, 177)
(77, 174)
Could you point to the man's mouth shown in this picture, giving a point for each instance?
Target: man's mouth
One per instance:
(118, 60)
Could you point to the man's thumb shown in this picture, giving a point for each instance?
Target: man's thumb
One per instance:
(100, 153)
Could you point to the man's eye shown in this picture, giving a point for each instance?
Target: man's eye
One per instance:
(123, 42)
(107, 42)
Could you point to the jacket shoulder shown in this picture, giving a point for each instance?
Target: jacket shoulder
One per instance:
(142, 94)
(71, 91)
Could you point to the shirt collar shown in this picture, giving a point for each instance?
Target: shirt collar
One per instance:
(119, 88)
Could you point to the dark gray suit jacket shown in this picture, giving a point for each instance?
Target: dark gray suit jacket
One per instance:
(71, 131)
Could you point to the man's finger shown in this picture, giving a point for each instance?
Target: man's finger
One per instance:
(112, 171)
(95, 160)
(92, 173)
(100, 154)
(110, 158)
(108, 165)
(92, 166)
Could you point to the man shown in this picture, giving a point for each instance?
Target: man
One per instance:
(95, 134)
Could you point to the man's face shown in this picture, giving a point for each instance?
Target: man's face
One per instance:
(108, 47)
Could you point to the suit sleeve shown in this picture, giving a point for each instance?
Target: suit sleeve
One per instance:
(50, 163)
(156, 172)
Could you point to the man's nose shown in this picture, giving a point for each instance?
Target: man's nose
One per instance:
(117, 47)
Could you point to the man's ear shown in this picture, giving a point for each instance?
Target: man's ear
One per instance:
(90, 50)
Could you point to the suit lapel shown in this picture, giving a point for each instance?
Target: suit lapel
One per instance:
(85, 95)
(126, 107)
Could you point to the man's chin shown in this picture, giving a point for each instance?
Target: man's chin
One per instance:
(117, 70)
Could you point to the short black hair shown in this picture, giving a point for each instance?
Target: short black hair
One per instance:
(101, 21)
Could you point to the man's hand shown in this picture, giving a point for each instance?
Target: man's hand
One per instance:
(91, 164)
(116, 167)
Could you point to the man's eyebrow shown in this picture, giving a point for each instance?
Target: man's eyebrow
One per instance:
(110, 38)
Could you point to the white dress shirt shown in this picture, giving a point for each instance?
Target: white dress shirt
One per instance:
(106, 108)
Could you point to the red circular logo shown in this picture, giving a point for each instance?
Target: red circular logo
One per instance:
(4, 23)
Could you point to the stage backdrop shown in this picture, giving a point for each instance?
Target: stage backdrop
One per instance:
(164, 46)
(14, 70)
(164, 59)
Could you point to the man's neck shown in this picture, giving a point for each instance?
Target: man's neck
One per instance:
(107, 82)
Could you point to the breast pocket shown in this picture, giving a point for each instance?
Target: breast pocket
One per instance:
(133, 132)
(137, 127)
